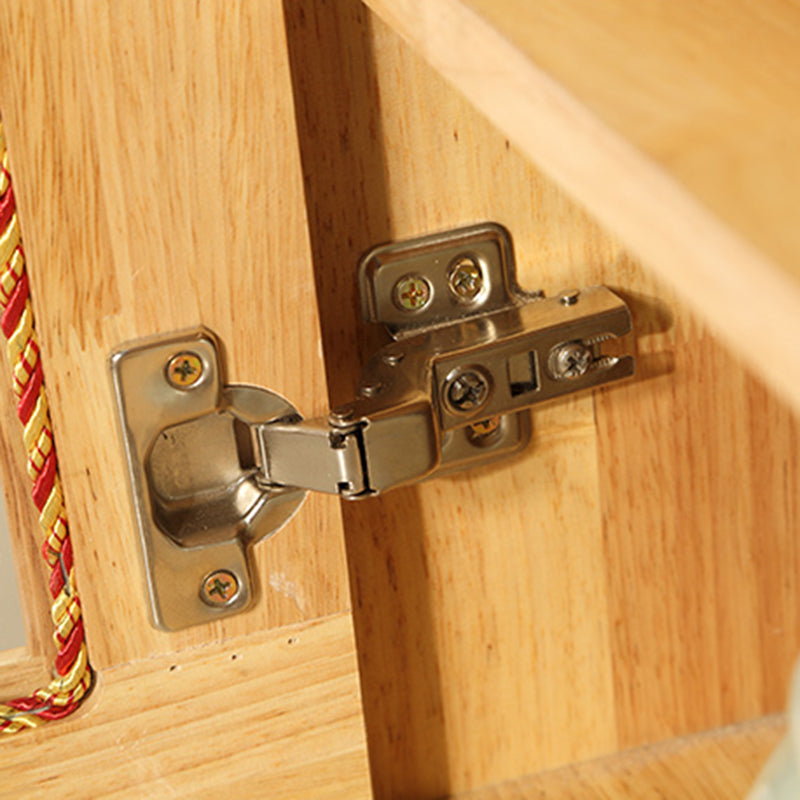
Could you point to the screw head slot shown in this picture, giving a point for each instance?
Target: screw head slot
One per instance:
(412, 293)
(184, 370)
(466, 390)
(465, 279)
(219, 588)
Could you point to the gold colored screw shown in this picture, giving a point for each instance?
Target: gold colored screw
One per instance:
(219, 588)
(486, 427)
(412, 293)
(184, 370)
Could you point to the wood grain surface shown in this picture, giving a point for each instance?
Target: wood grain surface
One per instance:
(158, 183)
(675, 124)
(268, 715)
(20, 672)
(159, 187)
(707, 766)
(630, 578)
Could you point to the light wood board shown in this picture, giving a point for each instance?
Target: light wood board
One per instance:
(158, 183)
(706, 766)
(271, 715)
(632, 576)
(675, 124)
(159, 187)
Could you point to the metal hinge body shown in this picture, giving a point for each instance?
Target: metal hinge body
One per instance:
(216, 467)
(410, 424)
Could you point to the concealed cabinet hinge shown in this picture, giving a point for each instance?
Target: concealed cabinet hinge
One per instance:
(215, 467)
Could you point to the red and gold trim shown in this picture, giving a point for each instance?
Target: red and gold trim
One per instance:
(73, 675)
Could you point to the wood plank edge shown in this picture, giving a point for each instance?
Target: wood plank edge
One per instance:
(339, 626)
(748, 298)
(656, 770)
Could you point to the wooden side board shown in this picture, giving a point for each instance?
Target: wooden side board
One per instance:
(274, 715)
(673, 124)
(630, 578)
(706, 766)
(159, 188)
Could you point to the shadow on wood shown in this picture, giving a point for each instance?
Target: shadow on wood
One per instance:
(337, 108)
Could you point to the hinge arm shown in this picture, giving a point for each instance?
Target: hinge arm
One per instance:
(349, 453)
(314, 455)
(463, 383)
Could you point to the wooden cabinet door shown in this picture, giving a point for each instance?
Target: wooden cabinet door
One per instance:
(158, 182)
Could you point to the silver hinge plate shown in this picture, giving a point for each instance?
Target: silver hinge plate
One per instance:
(195, 482)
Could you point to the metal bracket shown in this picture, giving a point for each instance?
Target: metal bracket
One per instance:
(214, 468)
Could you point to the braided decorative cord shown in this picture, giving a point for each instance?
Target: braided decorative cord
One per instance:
(73, 675)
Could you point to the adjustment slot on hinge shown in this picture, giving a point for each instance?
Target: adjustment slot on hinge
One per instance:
(216, 467)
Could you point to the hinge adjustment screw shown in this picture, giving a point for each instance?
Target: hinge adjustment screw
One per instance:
(570, 360)
(466, 390)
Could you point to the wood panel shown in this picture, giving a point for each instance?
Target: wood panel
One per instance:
(20, 672)
(673, 123)
(706, 766)
(632, 576)
(700, 510)
(270, 715)
(158, 182)
(161, 190)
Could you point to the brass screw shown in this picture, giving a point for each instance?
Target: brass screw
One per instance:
(184, 370)
(485, 426)
(484, 432)
(412, 293)
(465, 279)
(219, 588)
